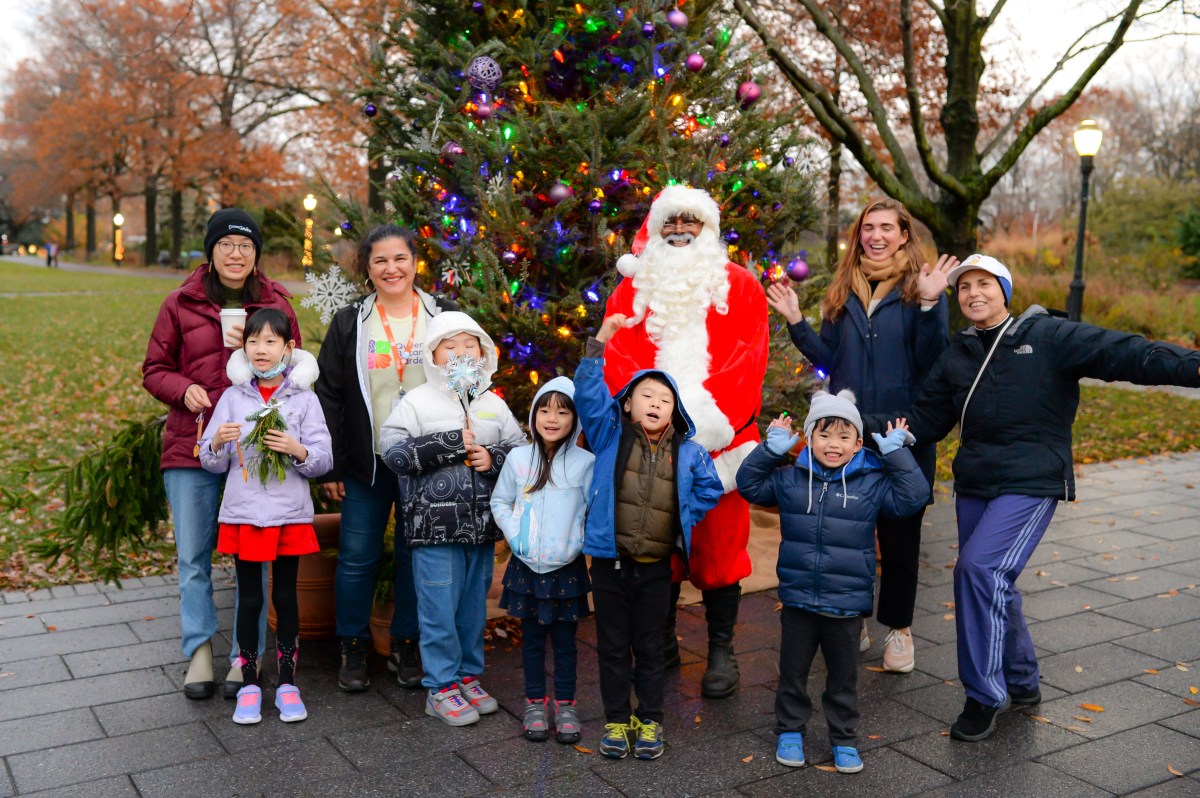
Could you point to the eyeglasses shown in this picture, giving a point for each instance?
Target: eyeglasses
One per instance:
(682, 223)
(227, 248)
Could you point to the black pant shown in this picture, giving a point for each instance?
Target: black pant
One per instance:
(900, 550)
(631, 601)
(803, 633)
(533, 655)
(283, 596)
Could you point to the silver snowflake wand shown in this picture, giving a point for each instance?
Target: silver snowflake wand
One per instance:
(328, 292)
(464, 377)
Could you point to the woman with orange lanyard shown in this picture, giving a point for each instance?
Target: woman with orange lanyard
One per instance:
(370, 357)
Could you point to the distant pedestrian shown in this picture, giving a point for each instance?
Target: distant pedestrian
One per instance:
(539, 503)
(1011, 385)
(267, 510)
(829, 503)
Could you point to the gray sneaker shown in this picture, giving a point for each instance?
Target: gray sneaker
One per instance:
(566, 723)
(535, 725)
(477, 697)
(449, 705)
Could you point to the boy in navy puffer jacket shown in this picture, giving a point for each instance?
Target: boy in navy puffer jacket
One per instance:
(828, 504)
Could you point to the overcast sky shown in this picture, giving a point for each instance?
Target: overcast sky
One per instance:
(1029, 31)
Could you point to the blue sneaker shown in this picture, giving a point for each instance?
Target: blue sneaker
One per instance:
(846, 759)
(249, 705)
(649, 744)
(615, 744)
(790, 750)
(287, 701)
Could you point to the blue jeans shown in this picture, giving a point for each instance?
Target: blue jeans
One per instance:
(996, 537)
(365, 512)
(195, 497)
(452, 584)
(533, 655)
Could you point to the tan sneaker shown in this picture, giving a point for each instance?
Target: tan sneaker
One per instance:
(898, 651)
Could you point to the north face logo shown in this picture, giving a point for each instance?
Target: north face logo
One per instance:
(1023, 349)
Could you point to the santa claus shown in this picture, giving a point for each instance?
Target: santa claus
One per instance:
(703, 320)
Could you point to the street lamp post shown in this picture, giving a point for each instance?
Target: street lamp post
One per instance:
(118, 247)
(1087, 144)
(310, 203)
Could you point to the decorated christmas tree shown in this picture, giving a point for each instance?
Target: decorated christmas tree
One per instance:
(525, 141)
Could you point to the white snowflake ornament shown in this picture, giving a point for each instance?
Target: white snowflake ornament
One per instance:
(329, 292)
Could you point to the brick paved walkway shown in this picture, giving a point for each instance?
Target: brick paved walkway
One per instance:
(90, 703)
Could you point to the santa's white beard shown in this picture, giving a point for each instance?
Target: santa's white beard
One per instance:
(674, 289)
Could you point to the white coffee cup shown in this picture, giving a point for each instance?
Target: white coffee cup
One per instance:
(229, 318)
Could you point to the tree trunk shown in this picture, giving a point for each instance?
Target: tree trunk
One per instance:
(70, 242)
(150, 248)
(376, 175)
(176, 227)
(90, 244)
(834, 191)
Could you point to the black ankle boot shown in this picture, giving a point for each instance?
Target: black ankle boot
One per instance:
(721, 678)
(403, 662)
(670, 637)
(977, 721)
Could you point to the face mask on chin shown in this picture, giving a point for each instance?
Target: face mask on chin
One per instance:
(274, 371)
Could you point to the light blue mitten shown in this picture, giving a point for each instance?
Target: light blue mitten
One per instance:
(896, 439)
(780, 441)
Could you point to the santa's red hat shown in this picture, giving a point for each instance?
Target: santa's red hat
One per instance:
(671, 201)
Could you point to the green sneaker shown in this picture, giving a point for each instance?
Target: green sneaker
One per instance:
(615, 744)
(650, 742)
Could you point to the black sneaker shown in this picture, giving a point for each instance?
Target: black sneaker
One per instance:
(1022, 700)
(403, 662)
(977, 722)
(353, 676)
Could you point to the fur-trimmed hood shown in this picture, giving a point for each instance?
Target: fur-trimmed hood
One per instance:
(446, 325)
(302, 372)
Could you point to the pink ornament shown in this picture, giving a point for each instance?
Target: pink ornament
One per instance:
(797, 269)
(484, 111)
(748, 93)
(677, 19)
(451, 152)
(694, 62)
(559, 192)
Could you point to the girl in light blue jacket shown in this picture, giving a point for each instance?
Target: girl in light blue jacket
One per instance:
(539, 502)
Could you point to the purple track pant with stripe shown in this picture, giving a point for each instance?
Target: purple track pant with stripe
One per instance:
(996, 537)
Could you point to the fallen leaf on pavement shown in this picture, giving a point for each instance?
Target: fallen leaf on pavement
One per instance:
(1133, 578)
(6, 673)
(1040, 719)
(1076, 729)
(779, 606)
(1083, 718)
(697, 720)
(827, 768)
(55, 629)
(1151, 671)
(875, 669)
(948, 616)
(1178, 665)
(1191, 702)
(148, 618)
(1193, 689)
(948, 605)
(747, 758)
(1092, 707)
(1174, 771)
(945, 732)
(583, 750)
(1079, 669)
(874, 737)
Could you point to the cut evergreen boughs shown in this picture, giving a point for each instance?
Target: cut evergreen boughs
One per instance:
(266, 463)
(113, 496)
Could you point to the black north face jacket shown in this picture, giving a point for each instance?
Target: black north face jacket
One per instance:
(1016, 432)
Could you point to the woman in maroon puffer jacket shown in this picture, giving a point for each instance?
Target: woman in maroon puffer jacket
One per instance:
(185, 369)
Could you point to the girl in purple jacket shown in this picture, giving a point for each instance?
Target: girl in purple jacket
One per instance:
(268, 519)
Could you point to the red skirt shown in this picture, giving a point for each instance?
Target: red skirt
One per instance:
(265, 543)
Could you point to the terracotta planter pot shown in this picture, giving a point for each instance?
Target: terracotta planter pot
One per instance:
(314, 584)
(381, 627)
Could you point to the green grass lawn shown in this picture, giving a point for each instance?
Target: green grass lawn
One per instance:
(70, 373)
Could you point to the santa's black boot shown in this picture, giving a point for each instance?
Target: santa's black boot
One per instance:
(721, 610)
(670, 640)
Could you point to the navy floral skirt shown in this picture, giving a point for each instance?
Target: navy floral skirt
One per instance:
(559, 595)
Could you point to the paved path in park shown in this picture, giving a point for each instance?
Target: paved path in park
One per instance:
(90, 703)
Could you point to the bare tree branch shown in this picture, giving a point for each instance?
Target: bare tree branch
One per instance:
(913, 92)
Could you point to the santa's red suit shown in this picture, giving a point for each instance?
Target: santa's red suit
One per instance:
(715, 345)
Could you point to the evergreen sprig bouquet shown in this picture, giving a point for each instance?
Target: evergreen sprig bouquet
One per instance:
(266, 463)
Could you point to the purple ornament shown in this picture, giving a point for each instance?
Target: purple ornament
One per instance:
(508, 257)
(677, 19)
(797, 269)
(778, 206)
(724, 140)
(346, 227)
(694, 62)
(558, 192)
(484, 111)
(477, 7)
(451, 152)
(648, 30)
(732, 237)
(789, 161)
(484, 74)
(370, 110)
(595, 206)
(748, 93)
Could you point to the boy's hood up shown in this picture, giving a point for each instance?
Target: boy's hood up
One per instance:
(689, 428)
(447, 325)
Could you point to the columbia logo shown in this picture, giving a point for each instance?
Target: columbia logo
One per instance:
(838, 494)
(1023, 349)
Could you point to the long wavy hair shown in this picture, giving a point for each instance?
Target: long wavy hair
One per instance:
(839, 292)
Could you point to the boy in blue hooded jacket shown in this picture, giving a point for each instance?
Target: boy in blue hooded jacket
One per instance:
(652, 484)
(828, 504)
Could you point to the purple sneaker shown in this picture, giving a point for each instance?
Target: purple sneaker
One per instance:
(287, 700)
(249, 705)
